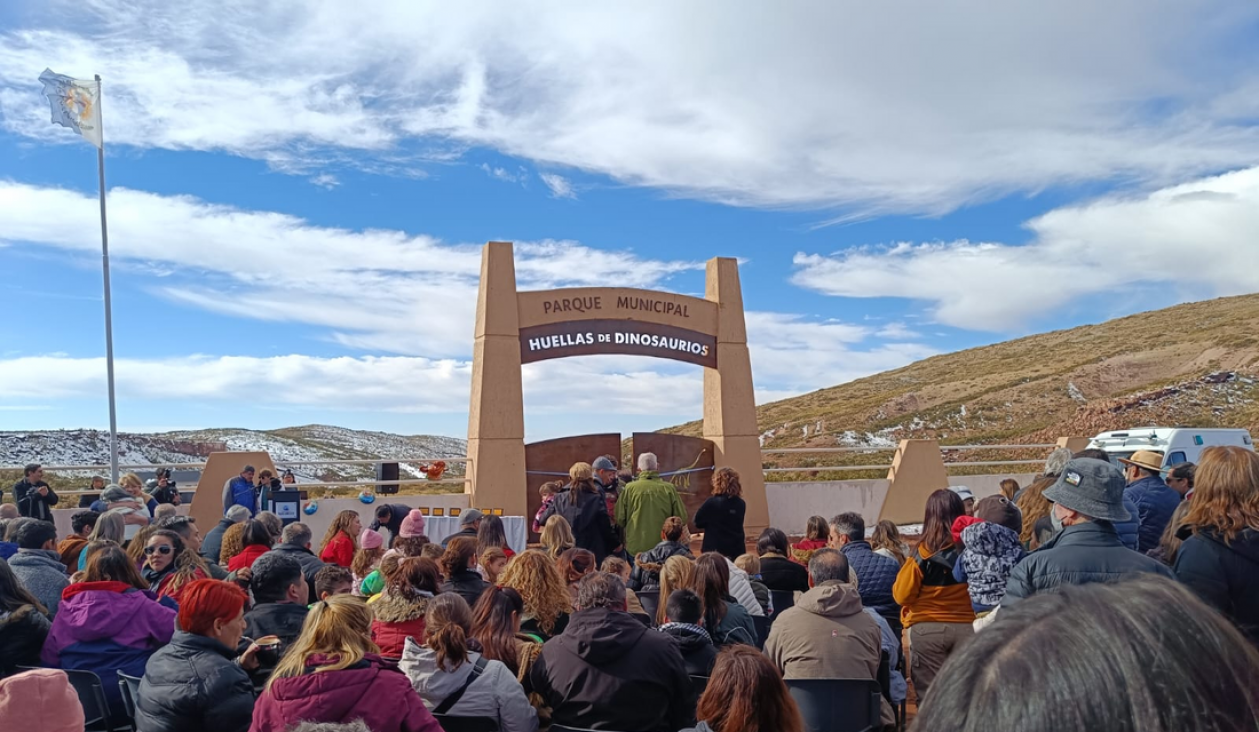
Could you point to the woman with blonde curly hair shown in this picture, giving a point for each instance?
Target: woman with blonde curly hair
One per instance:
(533, 574)
(557, 536)
(721, 516)
(1034, 506)
(233, 542)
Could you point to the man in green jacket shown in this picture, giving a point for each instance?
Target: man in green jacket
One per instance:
(644, 505)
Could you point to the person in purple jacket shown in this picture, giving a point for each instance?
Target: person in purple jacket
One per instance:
(108, 623)
(334, 673)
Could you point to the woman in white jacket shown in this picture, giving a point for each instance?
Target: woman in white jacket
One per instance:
(456, 681)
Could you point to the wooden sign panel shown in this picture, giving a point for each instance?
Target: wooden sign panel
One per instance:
(586, 337)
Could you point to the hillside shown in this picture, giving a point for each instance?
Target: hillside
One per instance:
(1191, 365)
(311, 442)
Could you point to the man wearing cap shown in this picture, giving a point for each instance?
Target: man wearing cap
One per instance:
(469, 522)
(968, 498)
(1156, 501)
(1088, 499)
(609, 484)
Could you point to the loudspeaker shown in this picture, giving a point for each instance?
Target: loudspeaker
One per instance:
(387, 471)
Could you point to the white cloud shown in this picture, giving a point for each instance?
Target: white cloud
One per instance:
(381, 289)
(520, 175)
(1197, 239)
(326, 180)
(857, 106)
(559, 185)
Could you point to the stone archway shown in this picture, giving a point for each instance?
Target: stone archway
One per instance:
(513, 328)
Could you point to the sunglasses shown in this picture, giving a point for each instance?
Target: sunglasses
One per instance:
(159, 549)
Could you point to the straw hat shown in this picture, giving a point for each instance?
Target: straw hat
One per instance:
(1147, 459)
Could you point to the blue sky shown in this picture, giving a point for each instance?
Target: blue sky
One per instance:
(295, 223)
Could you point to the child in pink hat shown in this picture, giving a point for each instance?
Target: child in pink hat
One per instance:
(371, 547)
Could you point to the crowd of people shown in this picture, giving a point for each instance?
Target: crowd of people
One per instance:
(1094, 598)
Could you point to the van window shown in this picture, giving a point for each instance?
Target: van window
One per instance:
(1175, 458)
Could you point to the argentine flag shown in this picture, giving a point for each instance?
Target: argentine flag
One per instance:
(75, 104)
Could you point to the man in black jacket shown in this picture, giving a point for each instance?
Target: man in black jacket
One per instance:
(1088, 498)
(390, 516)
(212, 544)
(607, 670)
(469, 522)
(295, 543)
(32, 495)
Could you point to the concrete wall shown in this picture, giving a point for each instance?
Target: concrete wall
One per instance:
(319, 522)
(791, 504)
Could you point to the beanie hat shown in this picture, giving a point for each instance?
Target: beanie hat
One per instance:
(999, 510)
(413, 524)
(370, 540)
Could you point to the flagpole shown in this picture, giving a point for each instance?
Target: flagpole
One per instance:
(109, 318)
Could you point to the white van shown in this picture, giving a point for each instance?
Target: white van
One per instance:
(1178, 444)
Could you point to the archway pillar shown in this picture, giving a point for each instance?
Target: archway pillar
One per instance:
(729, 398)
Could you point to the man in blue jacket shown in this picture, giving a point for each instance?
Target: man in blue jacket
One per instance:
(1155, 500)
(240, 491)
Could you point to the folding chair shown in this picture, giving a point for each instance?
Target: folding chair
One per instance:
(838, 705)
(130, 688)
(451, 723)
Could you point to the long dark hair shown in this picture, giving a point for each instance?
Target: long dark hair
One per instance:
(747, 694)
(12, 594)
(493, 628)
(712, 584)
(491, 535)
(1145, 655)
(943, 508)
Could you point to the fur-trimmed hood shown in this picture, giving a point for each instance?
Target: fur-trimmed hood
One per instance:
(397, 609)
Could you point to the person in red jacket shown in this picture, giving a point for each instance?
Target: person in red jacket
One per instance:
(257, 541)
(410, 583)
(333, 674)
(339, 544)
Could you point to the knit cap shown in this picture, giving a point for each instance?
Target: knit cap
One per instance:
(413, 524)
(370, 540)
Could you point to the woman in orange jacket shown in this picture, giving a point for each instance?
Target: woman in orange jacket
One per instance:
(339, 544)
(935, 607)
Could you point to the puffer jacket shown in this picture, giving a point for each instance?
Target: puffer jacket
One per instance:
(395, 619)
(193, 685)
(494, 694)
(1225, 575)
(1080, 554)
(875, 576)
(42, 574)
(607, 670)
(22, 635)
(698, 652)
(1129, 531)
(371, 690)
(991, 552)
(646, 574)
(1156, 502)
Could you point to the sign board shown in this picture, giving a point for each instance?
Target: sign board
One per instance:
(585, 337)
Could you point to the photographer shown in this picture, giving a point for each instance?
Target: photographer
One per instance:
(163, 488)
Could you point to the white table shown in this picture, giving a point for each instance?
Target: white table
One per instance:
(437, 528)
